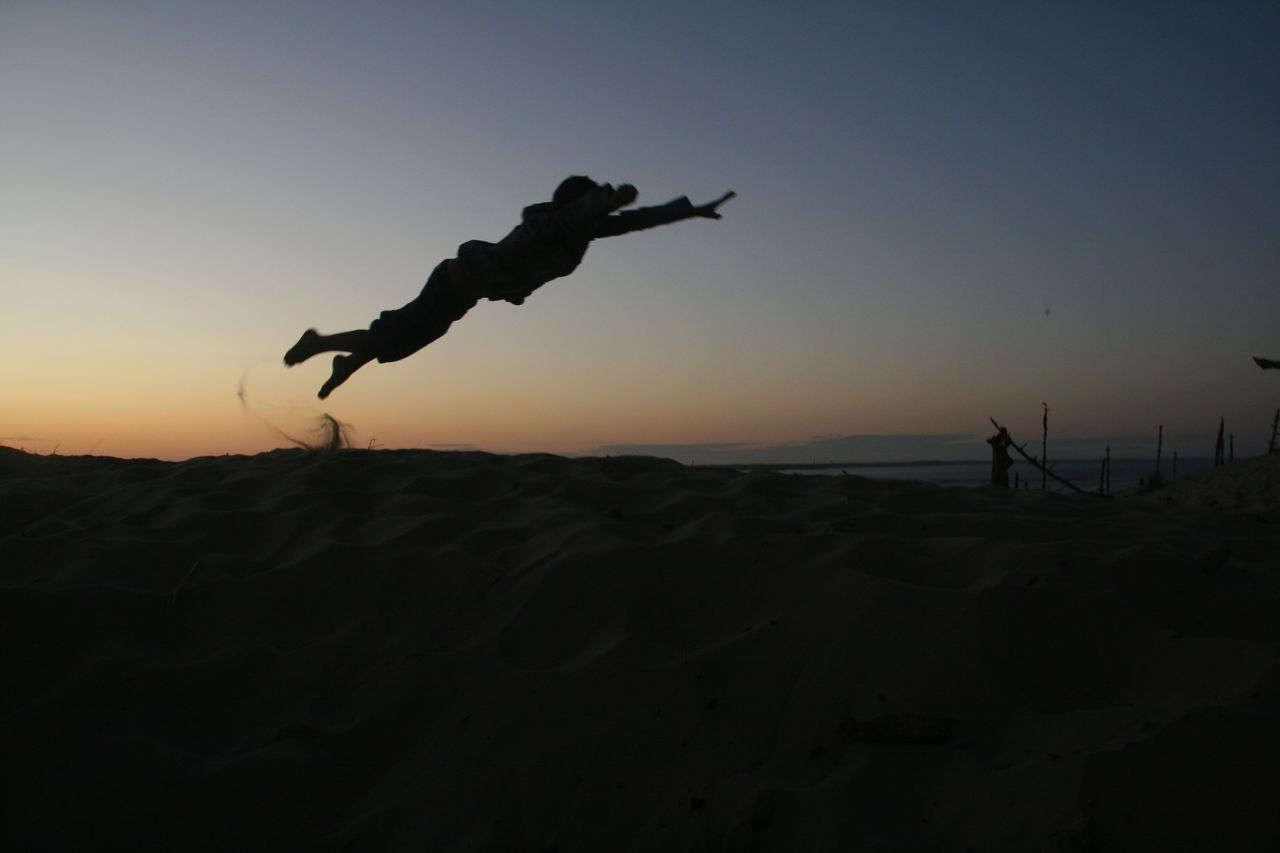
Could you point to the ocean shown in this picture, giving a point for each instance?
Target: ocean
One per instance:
(1084, 473)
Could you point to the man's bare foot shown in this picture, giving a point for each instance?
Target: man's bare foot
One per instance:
(343, 367)
(307, 346)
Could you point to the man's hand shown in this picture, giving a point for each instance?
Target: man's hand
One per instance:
(622, 196)
(708, 210)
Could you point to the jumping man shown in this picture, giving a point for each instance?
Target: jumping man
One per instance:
(548, 243)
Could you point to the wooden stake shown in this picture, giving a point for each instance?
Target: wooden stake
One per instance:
(1044, 449)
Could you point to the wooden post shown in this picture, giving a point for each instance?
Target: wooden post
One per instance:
(1217, 447)
(1044, 450)
(1275, 422)
(1159, 447)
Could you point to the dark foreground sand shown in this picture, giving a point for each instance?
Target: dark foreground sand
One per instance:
(407, 650)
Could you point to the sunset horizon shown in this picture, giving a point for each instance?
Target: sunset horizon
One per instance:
(943, 216)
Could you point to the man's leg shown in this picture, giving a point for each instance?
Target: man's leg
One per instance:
(358, 342)
(1266, 363)
(313, 343)
(392, 336)
(343, 367)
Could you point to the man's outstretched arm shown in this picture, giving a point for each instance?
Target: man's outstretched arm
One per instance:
(649, 217)
(709, 210)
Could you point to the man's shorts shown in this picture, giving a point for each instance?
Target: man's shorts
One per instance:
(402, 332)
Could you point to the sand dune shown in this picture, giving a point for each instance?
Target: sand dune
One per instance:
(1251, 484)
(397, 650)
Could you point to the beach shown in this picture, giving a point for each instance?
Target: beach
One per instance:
(461, 651)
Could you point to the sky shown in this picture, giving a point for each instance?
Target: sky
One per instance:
(946, 212)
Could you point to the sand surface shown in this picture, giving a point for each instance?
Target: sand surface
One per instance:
(1248, 485)
(409, 650)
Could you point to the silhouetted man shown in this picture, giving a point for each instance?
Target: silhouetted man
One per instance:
(548, 243)
(1001, 461)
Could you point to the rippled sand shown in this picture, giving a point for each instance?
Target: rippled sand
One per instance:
(378, 650)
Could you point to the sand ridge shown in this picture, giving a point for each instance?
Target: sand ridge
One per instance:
(1247, 485)
(370, 650)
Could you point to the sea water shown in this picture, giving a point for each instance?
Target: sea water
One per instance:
(1084, 473)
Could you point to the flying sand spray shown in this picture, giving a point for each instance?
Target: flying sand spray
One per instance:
(327, 432)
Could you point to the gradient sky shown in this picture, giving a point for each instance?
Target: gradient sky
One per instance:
(947, 211)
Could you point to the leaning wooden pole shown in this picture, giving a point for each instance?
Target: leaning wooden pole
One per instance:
(1043, 470)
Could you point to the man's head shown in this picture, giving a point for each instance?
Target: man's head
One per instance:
(572, 187)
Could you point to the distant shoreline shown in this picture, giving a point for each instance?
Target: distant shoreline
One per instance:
(818, 466)
(932, 463)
